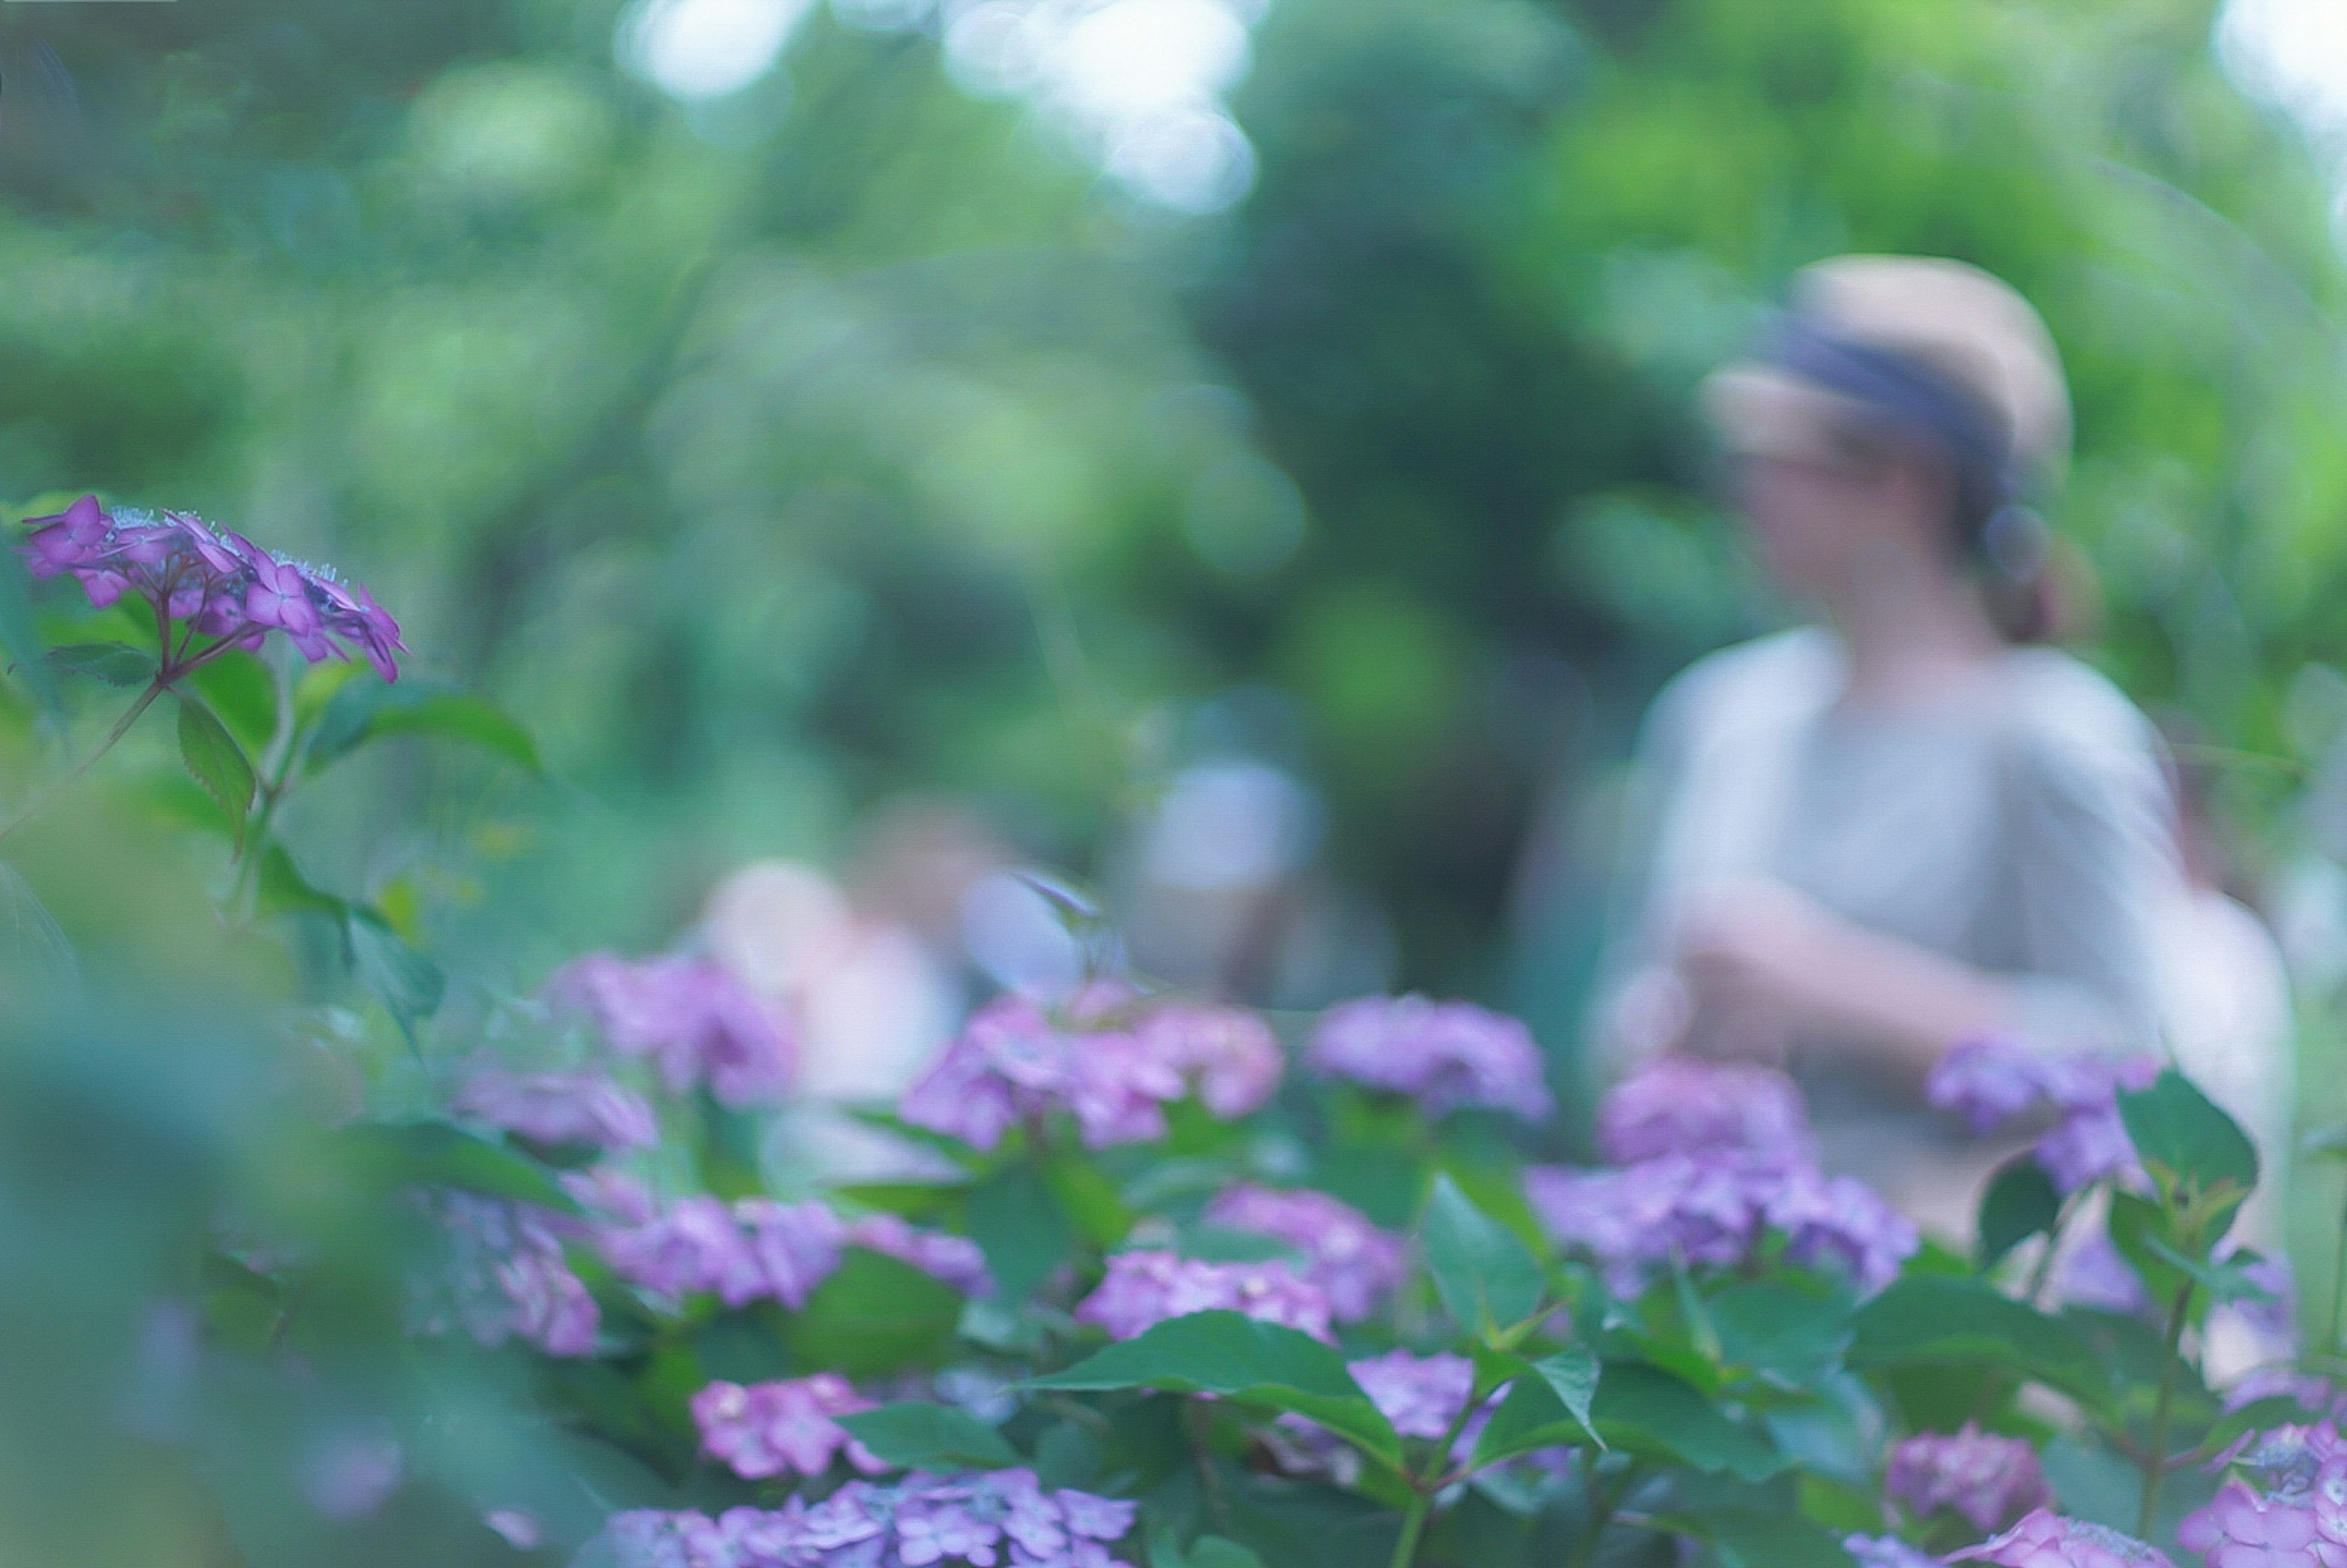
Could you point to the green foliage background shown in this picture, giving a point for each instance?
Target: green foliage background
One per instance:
(854, 438)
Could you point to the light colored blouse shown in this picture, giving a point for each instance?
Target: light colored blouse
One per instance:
(2023, 827)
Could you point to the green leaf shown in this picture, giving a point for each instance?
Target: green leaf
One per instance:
(1646, 1410)
(1548, 1406)
(1792, 1338)
(1743, 1538)
(1234, 1357)
(216, 761)
(434, 1153)
(1940, 1318)
(409, 984)
(20, 636)
(1213, 1551)
(1016, 1222)
(920, 1436)
(2020, 1203)
(2142, 1232)
(116, 663)
(365, 710)
(239, 687)
(285, 891)
(2182, 1137)
(873, 1316)
(1489, 1281)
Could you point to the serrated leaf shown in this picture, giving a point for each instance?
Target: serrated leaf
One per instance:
(2179, 1132)
(116, 663)
(2020, 1203)
(917, 1435)
(239, 687)
(434, 1153)
(1933, 1317)
(874, 1316)
(216, 761)
(1641, 1408)
(1489, 1281)
(1236, 1357)
(365, 710)
(1547, 1405)
(409, 984)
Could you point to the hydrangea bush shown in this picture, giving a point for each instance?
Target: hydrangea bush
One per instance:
(1172, 1285)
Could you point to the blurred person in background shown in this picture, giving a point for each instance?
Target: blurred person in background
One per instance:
(1862, 841)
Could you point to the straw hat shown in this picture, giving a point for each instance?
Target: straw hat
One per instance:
(1978, 335)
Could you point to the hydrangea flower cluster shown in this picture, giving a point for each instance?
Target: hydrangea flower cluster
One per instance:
(2049, 1540)
(504, 1276)
(2294, 1517)
(688, 1016)
(1004, 1517)
(767, 1429)
(1886, 1552)
(1445, 1055)
(578, 1107)
(1420, 1395)
(1991, 1480)
(1994, 1081)
(1142, 1289)
(1677, 1105)
(217, 585)
(757, 1249)
(1111, 1066)
(1709, 1205)
(1352, 1262)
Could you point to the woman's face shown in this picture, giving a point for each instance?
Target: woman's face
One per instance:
(1816, 520)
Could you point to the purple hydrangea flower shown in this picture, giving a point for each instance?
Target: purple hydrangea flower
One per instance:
(219, 586)
(957, 1260)
(2049, 1540)
(1710, 1209)
(1446, 1055)
(1677, 1105)
(506, 1276)
(1420, 1395)
(696, 1243)
(611, 1197)
(1353, 1262)
(2087, 1145)
(1991, 1480)
(2095, 1275)
(690, 1016)
(1002, 1518)
(558, 1108)
(1229, 1053)
(1142, 1289)
(2239, 1529)
(793, 1246)
(1013, 1063)
(350, 1475)
(522, 1531)
(1886, 1552)
(766, 1428)
(1991, 1080)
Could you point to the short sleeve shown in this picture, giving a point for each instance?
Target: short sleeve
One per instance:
(2092, 859)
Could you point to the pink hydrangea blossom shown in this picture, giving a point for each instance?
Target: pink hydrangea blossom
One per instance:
(506, 1276)
(767, 1429)
(1446, 1055)
(1000, 1517)
(1353, 1262)
(1677, 1105)
(690, 1017)
(1014, 1061)
(2049, 1540)
(1991, 1480)
(1229, 1053)
(2239, 1529)
(957, 1260)
(584, 1108)
(1142, 1289)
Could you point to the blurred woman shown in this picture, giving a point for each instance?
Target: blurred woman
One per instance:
(1908, 823)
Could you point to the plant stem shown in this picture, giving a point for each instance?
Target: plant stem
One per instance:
(2155, 1454)
(1602, 1502)
(41, 802)
(2339, 1283)
(1413, 1525)
(2043, 1268)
